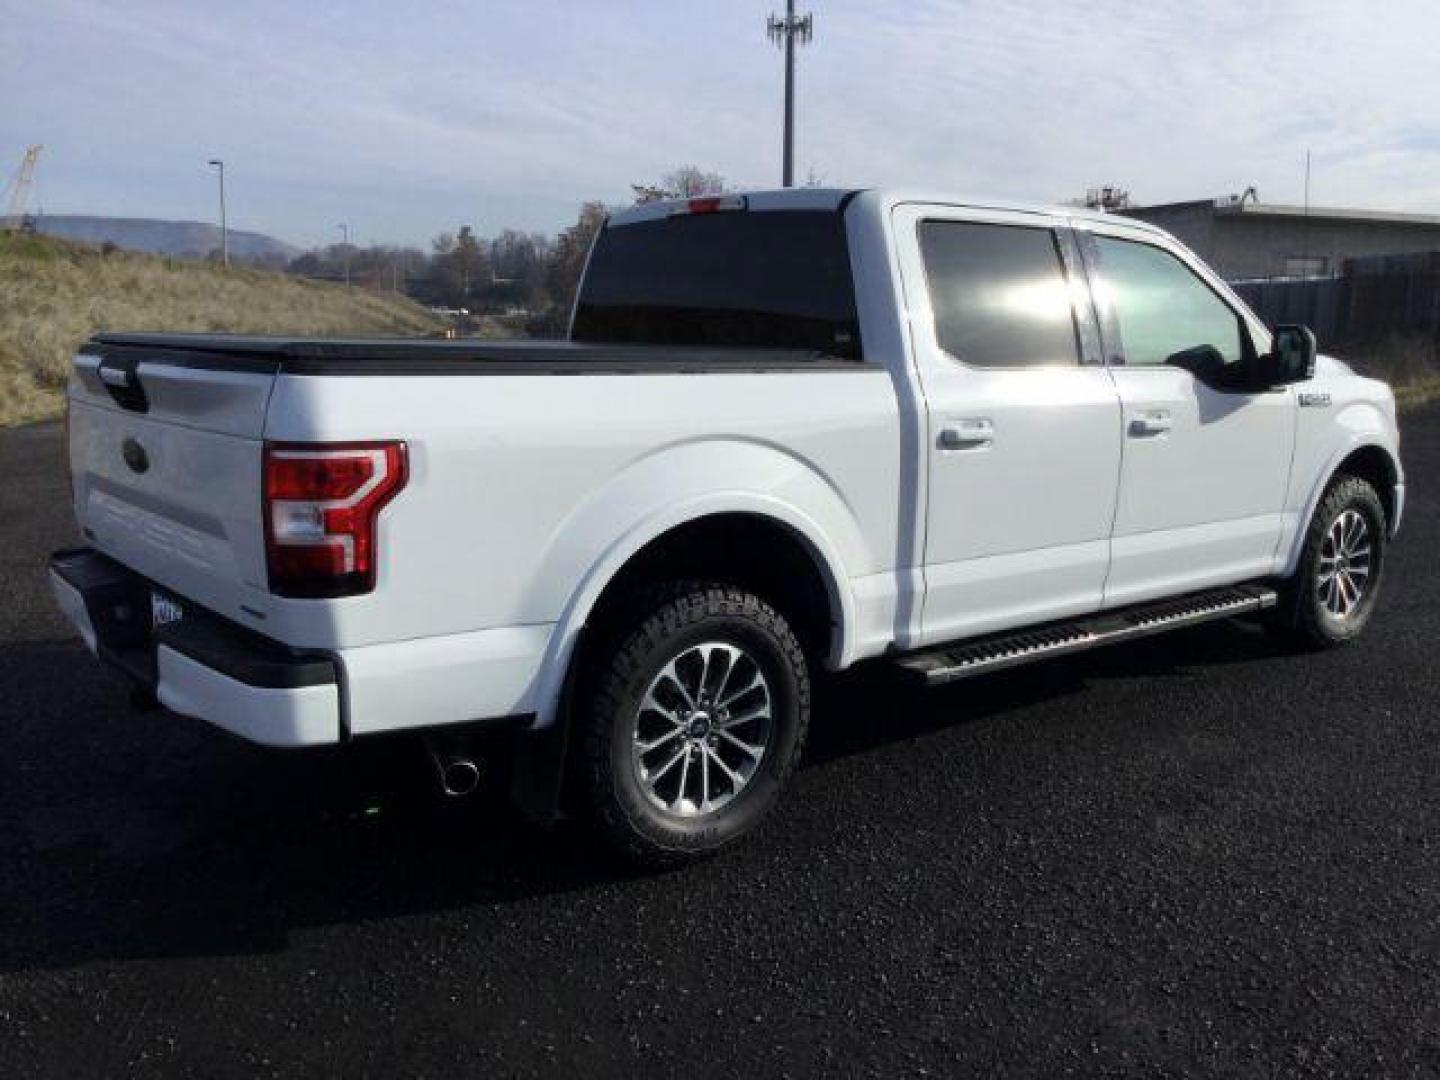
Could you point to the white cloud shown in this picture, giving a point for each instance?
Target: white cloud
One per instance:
(408, 119)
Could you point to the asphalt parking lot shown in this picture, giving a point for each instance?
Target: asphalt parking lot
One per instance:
(1193, 856)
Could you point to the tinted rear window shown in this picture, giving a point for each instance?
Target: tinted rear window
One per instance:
(775, 279)
(999, 293)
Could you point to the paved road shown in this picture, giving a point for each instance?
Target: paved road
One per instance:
(1197, 856)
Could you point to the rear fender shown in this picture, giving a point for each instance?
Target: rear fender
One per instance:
(682, 484)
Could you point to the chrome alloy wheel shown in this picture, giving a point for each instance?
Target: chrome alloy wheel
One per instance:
(1342, 573)
(702, 729)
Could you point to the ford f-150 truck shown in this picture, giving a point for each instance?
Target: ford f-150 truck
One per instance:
(790, 432)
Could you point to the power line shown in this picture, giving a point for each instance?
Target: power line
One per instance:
(785, 32)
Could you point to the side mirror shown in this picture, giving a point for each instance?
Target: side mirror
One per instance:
(1205, 362)
(1291, 358)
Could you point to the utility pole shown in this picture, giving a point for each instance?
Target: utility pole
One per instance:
(1305, 232)
(17, 192)
(344, 228)
(224, 225)
(785, 32)
(1307, 183)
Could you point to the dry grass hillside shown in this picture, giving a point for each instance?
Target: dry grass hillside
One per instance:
(55, 294)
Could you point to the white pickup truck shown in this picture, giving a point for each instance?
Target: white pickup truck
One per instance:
(791, 431)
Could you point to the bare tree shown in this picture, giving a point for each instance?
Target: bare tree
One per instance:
(686, 182)
(459, 269)
(565, 265)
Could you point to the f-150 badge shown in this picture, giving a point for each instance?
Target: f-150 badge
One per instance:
(1314, 401)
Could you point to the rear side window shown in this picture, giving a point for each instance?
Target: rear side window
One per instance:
(1000, 294)
(777, 279)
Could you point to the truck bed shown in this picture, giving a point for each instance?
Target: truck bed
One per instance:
(278, 355)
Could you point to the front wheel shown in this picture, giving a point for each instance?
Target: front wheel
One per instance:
(696, 718)
(1333, 593)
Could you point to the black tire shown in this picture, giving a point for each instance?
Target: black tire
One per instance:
(1303, 617)
(670, 628)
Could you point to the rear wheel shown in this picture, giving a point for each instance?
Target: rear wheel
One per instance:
(1333, 593)
(695, 720)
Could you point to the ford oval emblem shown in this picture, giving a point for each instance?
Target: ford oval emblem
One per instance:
(134, 455)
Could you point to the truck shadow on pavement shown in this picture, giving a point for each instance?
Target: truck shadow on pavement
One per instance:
(126, 835)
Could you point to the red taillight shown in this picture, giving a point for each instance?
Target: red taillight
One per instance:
(321, 504)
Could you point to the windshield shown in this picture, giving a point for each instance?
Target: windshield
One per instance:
(776, 279)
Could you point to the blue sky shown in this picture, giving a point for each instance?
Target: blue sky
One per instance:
(408, 118)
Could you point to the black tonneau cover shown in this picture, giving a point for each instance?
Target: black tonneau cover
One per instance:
(418, 356)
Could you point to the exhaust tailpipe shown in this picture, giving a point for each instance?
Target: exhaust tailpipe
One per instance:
(457, 771)
(459, 776)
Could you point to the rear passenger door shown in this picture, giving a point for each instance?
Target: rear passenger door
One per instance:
(1023, 419)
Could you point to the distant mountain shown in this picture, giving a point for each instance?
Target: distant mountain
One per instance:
(183, 239)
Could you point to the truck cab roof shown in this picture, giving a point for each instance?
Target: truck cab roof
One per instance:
(885, 198)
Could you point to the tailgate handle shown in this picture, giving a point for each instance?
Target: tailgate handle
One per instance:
(123, 383)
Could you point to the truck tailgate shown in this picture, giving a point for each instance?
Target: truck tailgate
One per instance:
(165, 456)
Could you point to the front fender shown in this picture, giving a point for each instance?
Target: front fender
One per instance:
(680, 484)
(1356, 426)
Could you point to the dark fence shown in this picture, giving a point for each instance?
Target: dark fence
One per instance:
(1373, 298)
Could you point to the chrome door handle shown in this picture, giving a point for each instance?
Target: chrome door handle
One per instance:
(1152, 423)
(967, 435)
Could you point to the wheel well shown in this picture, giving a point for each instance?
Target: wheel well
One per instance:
(1373, 464)
(747, 550)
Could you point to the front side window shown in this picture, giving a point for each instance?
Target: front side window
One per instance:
(1166, 313)
(1000, 294)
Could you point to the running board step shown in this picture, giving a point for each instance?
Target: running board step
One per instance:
(1012, 648)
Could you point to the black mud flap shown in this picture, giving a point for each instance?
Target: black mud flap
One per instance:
(538, 785)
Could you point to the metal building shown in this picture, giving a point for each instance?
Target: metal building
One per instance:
(1243, 238)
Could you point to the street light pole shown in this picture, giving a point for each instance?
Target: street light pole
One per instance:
(345, 240)
(784, 32)
(224, 225)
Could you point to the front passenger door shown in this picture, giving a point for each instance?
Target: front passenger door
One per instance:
(1206, 454)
